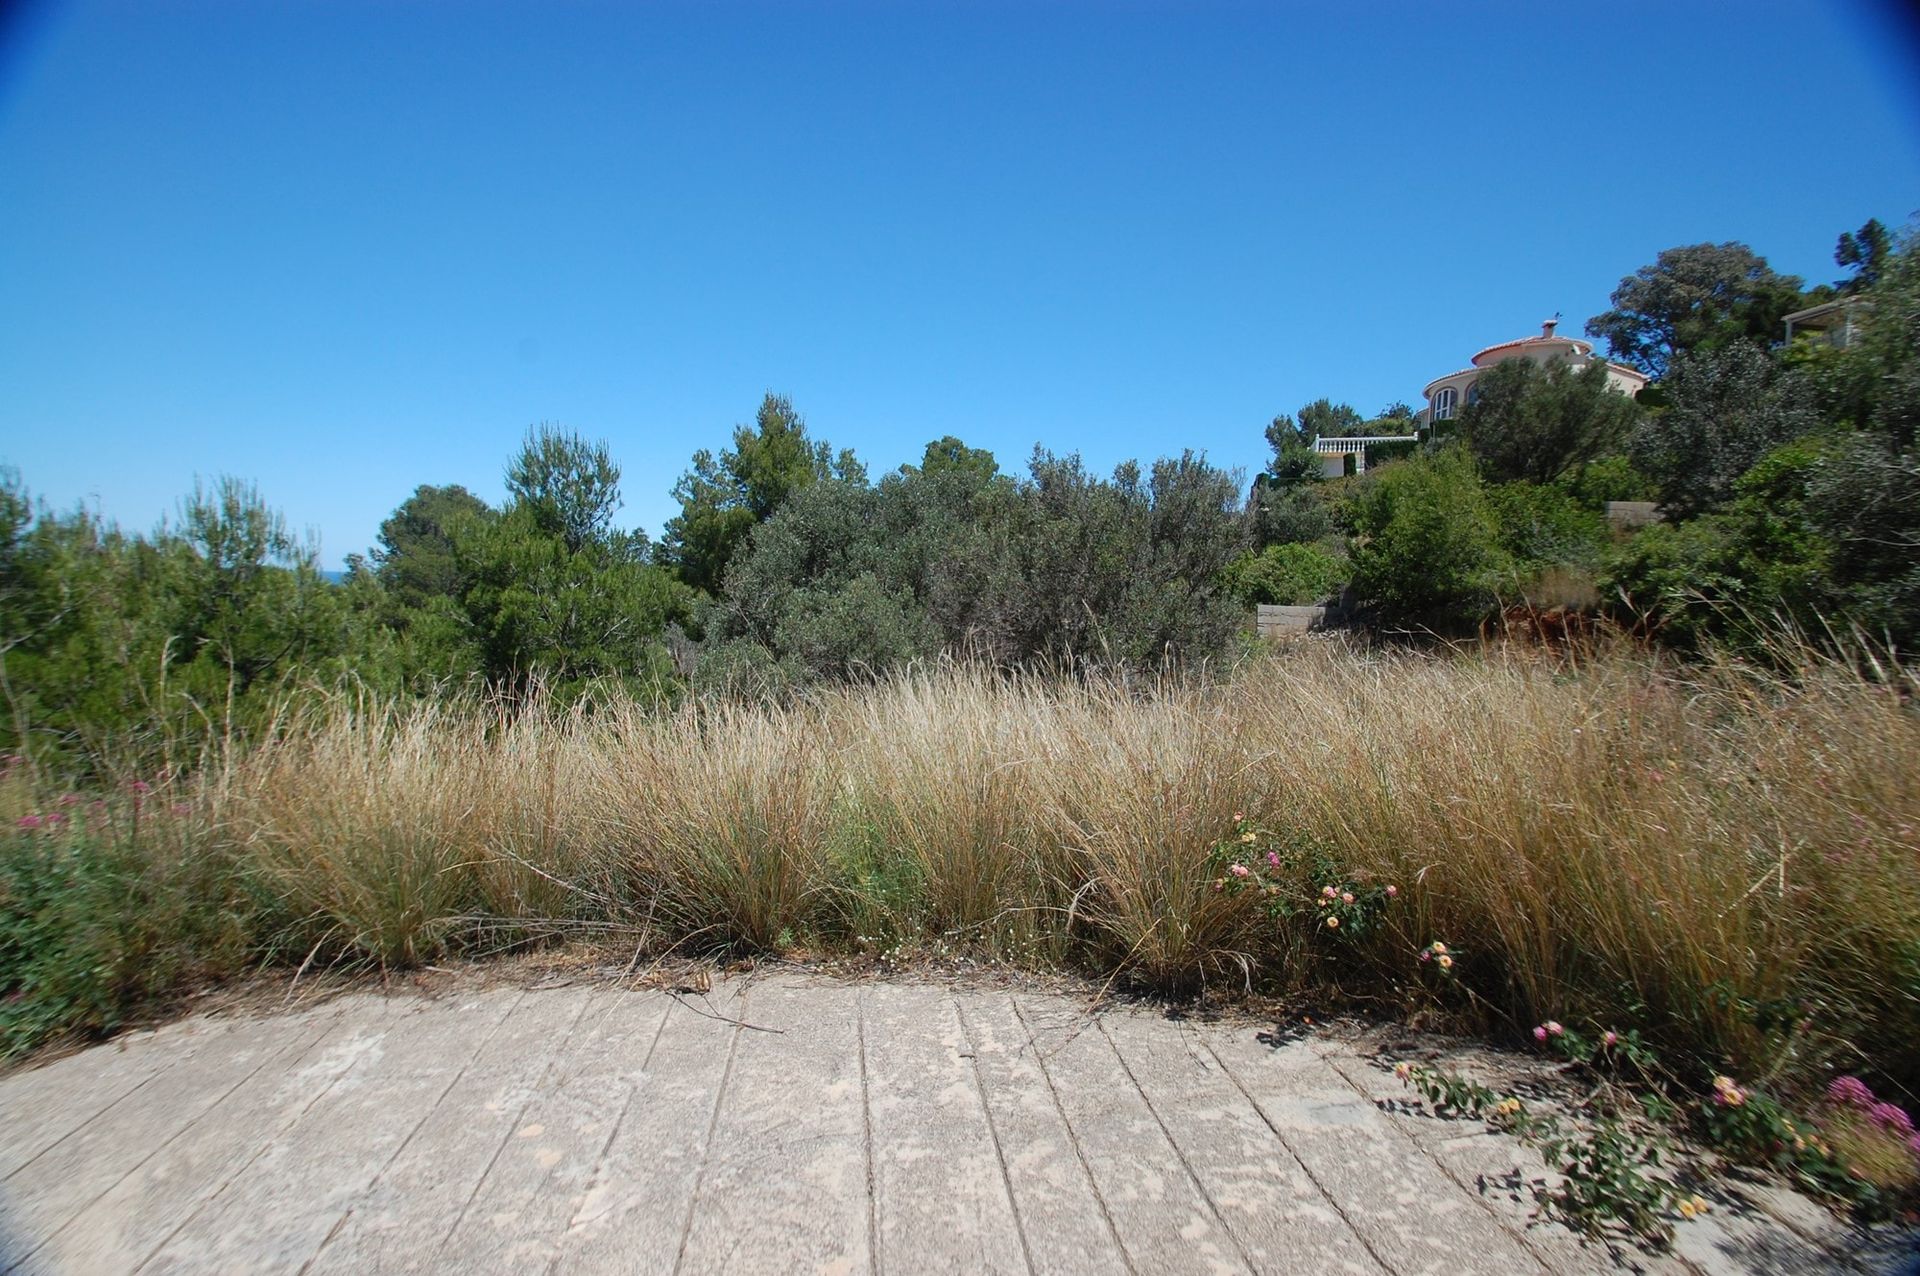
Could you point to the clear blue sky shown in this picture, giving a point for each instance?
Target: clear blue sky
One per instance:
(343, 249)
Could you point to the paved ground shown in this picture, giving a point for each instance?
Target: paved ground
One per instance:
(777, 1124)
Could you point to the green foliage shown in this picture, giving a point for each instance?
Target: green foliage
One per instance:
(723, 498)
(1726, 408)
(1866, 252)
(156, 645)
(569, 487)
(416, 558)
(106, 909)
(1546, 525)
(855, 628)
(1294, 460)
(1426, 542)
(1862, 497)
(948, 455)
(539, 610)
(1294, 513)
(1698, 297)
(1737, 573)
(1059, 566)
(1609, 1165)
(1534, 423)
(1608, 478)
(1326, 419)
(1291, 575)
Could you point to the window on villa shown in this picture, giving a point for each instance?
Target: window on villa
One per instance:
(1473, 394)
(1444, 404)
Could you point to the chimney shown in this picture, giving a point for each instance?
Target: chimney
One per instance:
(1546, 328)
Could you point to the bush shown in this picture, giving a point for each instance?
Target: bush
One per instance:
(1738, 574)
(1291, 513)
(1290, 575)
(1725, 409)
(106, 910)
(1426, 543)
(1545, 526)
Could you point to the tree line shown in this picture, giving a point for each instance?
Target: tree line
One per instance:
(1787, 474)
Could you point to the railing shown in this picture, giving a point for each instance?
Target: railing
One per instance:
(1358, 443)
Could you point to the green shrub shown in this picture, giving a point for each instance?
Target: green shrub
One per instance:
(1291, 575)
(1543, 526)
(1426, 542)
(105, 913)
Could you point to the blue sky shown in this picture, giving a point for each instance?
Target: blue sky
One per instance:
(343, 249)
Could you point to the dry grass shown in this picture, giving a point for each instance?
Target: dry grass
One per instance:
(1707, 852)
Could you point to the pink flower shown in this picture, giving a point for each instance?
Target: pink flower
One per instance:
(1393, 892)
(1540, 1034)
(1610, 1038)
(1238, 870)
(29, 822)
(1273, 858)
(1850, 1090)
(140, 786)
(69, 799)
(1328, 891)
(1346, 897)
(1890, 1117)
(1554, 1028)
(55, 819)
(1426, 954)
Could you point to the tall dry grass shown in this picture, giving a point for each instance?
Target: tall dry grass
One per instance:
(1710, 852)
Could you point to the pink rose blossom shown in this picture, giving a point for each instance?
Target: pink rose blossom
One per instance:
(140, 786)
(1610, 1037)
(1554, 1028)
(1238, 870)
(29, 822)
(1273, 858)
(1540, 1034)
(1393, 892)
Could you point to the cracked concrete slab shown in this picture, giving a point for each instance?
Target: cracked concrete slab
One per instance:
(784, 1122)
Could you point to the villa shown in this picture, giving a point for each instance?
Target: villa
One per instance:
(1447, 395)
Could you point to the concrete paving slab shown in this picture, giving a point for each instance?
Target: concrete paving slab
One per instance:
(70, 1176)
(1251, 1177)
(278, 1215)
(786, 1122)
(44, 1105)
(1501, 1171)
(497, 1043)
(631, 1218)
(123, 1226)
(1414, 1218)
(522, 1209)
(1063, 1220)
(937, 1168)
(786, 1185)
(1163, 1219)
